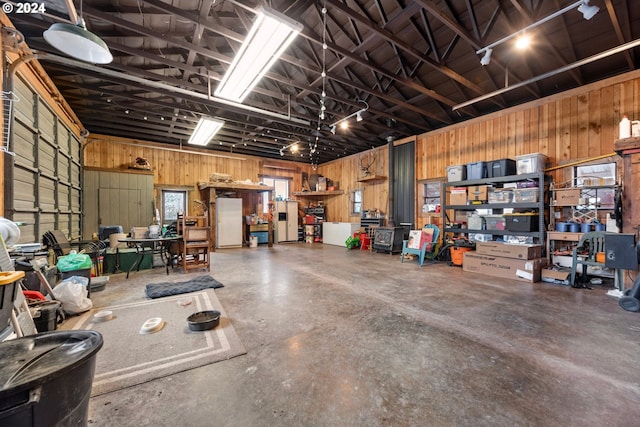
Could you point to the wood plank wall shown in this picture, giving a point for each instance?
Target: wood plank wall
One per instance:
(185, 168)
(574, 126)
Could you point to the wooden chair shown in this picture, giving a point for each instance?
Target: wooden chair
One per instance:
(194, 250)
(428, 249)
(584, 254)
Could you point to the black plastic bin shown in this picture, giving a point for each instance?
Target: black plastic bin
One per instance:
(46, 379)
(502, 167)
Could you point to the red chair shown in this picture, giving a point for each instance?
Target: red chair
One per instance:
(365, 242)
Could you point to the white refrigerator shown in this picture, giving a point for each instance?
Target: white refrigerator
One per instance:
(287, 221)
(228, 222)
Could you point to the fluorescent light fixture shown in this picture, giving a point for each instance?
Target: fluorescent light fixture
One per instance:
(271, 34)
(77, 42)
(204, 131)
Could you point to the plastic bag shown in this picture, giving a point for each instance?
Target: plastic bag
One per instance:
(73, 262)
(72, 293)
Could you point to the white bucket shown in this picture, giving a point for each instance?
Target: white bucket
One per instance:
(154, 231)
(253, 241)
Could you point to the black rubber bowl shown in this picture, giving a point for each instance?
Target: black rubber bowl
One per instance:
(204, 320)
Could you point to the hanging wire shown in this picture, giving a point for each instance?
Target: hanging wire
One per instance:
(323, 96)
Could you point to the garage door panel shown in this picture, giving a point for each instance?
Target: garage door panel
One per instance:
(63, 168)
(24, 181)
(24, 110)
(63, 139)
(64, 204)
(46, 122)
(47, 158)
(28, 230)
(24, 143)
(76, 207)
(47, 193)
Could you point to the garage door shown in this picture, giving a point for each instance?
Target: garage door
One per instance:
(46, 190)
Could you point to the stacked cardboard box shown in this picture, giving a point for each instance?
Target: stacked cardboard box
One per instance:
(520, 262)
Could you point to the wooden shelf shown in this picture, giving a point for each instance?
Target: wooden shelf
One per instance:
(372, 178)
(317, 193)
(234, 186)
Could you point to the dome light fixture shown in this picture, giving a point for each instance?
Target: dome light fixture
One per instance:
(77, 42)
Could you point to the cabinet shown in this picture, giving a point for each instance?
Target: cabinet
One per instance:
(539, 206)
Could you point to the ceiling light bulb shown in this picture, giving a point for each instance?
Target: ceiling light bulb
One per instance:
(359, 116)
(344, 124)
(587, 11)
(523, 41)
(294, 147)
(486, 59)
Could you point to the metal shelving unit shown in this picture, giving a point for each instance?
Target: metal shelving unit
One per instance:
(540, 178)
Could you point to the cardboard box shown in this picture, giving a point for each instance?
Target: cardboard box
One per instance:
(508, 268)
(139, 232)
(478, 193)
(458, 196)
(566, 197)
(508, 250)
(555, 276)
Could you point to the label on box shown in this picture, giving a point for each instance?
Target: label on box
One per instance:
(523, 270)
(508, 250)
(478, 192)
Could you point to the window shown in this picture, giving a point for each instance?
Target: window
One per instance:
(431, 196)
(598, 175)
(281, 190)
(173, 203)
(356, 202)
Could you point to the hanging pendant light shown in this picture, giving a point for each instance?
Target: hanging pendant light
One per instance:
(77, 42)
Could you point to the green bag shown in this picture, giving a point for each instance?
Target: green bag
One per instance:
(73, 262)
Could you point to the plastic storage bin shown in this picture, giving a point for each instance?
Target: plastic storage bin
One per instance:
(495, 222)
(522, 222)
(526, 195)
(456, 173)
(475, 222)
(476, 170)
(502, 167)
(500, 196)
(531, 163)
(262, 236)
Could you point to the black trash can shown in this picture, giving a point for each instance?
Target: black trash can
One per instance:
(46, 379)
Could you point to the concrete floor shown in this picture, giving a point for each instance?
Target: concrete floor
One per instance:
(350, 338)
